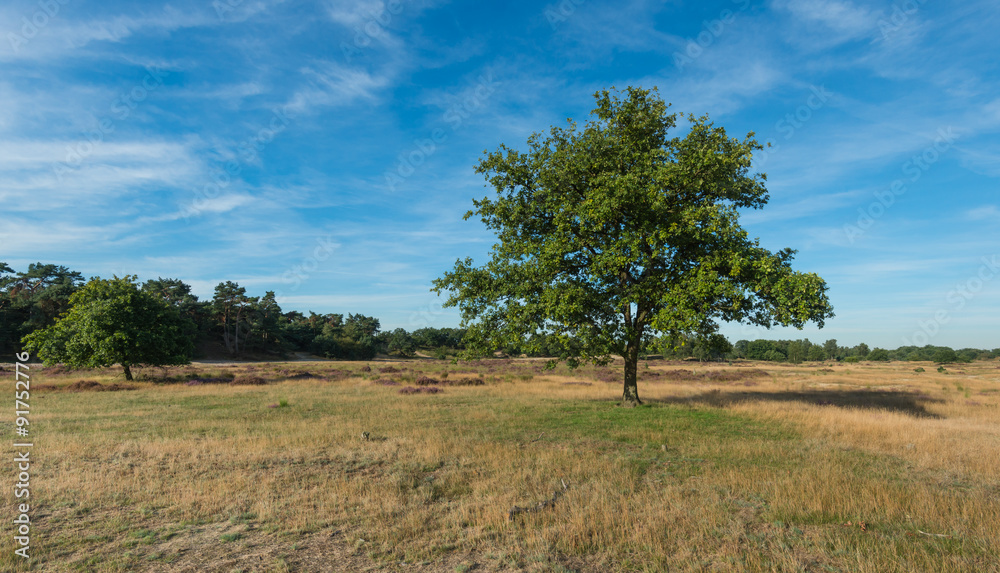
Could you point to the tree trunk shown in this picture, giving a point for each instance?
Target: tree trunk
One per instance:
(225, 334)
(128, 372)
(630, 397)
(236, 331)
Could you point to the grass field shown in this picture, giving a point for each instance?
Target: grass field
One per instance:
(331, 467)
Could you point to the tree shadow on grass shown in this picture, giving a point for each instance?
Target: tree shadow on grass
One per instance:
(891, 400)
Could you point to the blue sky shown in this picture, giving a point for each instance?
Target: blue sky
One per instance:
(325, 149)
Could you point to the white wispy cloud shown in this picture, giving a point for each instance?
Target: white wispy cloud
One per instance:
(334, 84)
(604, 28)
(57, 171)
(66, 36)
(986, 212)
(200, 207)
(827, 23)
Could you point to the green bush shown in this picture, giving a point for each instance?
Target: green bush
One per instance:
(344, 348)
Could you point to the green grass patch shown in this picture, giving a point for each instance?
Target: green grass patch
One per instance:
(230, 537)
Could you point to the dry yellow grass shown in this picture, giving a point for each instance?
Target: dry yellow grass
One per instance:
(770, 473)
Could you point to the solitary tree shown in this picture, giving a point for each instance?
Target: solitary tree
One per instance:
(614, 232)
(113, 322)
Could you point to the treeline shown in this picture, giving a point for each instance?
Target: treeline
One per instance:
(716, 347)
(239, 325)
(232, 323)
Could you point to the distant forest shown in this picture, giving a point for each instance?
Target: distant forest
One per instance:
(236, 325)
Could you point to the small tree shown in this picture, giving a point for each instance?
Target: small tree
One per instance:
(613, 233)
(113, 322)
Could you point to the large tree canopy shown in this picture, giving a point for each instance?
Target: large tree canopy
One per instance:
(114, 322)
(619, 230)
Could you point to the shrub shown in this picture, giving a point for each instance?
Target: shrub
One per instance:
(919, 369)
(423, 389)
(852, 359)
(90, 385)
(247, 380)
(59, 368)
(465, 382)
(200, 381)
(715, 375)
(343, 347)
